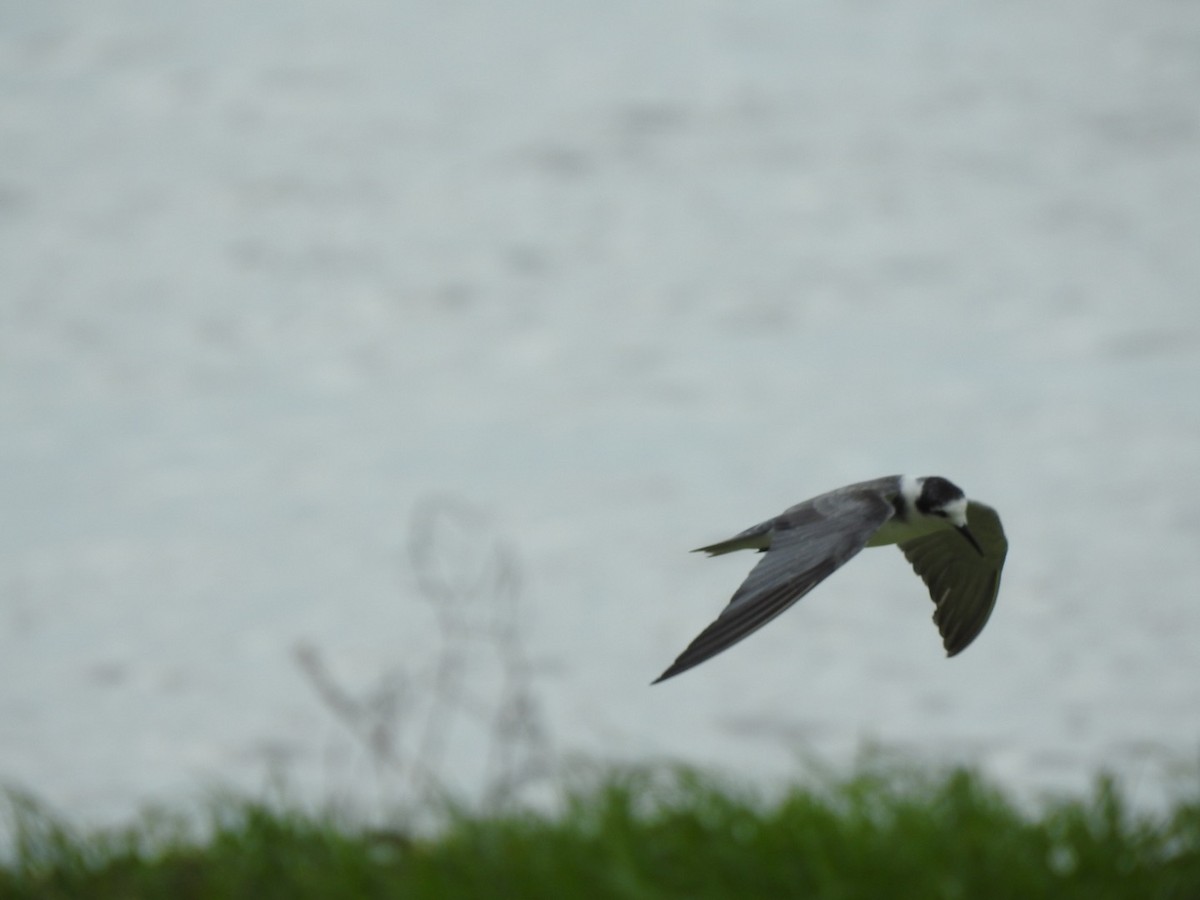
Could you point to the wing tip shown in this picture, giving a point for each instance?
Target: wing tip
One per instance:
(957, 643)
(670, 672)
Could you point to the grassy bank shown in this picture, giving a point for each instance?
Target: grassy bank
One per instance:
(648, 833)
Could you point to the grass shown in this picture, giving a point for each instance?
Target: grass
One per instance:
(644, 833)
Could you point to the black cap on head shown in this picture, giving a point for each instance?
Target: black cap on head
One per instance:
(936, 492)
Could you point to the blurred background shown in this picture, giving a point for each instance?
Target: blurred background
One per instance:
(308, 309)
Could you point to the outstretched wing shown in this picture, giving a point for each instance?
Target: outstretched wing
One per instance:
(962, 583)
(807, 544)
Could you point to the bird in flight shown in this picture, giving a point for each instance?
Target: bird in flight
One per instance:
(956, 545)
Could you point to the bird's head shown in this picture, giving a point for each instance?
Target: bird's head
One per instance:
(937, 498)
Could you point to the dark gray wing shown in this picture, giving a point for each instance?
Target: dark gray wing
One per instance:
(962, 583)
(808, 543)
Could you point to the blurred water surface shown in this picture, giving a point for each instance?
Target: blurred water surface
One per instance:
(627, 278)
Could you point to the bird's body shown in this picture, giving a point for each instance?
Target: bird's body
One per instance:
(927, 517)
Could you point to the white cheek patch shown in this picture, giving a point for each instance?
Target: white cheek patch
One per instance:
(957, 511)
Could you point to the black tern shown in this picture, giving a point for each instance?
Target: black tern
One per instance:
(926, 517)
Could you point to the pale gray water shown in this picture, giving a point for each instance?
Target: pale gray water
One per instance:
(630, 277)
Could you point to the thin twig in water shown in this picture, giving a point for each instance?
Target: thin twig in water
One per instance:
(471, 579)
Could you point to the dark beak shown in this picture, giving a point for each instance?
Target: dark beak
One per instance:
(966, 532)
